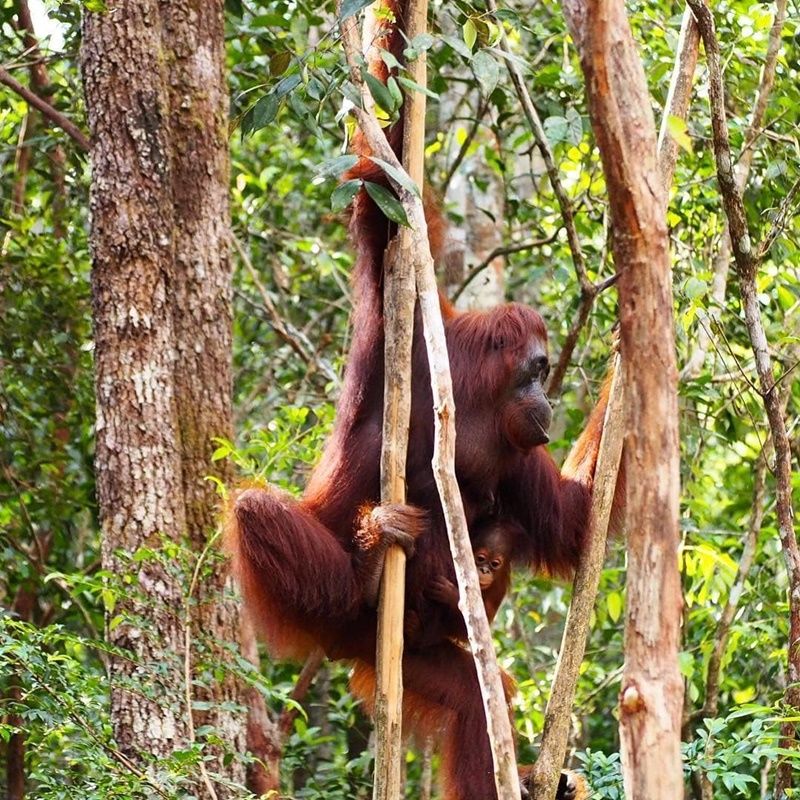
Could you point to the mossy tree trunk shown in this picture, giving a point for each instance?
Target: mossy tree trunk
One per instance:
(155, 90)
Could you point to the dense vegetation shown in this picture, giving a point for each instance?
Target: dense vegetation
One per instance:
(291, 304)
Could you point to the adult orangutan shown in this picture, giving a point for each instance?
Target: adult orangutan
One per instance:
(309, 569)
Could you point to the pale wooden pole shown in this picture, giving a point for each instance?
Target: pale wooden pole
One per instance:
(398, 305)
(548, 765)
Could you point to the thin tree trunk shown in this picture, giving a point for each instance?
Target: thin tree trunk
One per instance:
(652, 690)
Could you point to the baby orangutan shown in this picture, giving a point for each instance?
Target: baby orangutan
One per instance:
(492, 546)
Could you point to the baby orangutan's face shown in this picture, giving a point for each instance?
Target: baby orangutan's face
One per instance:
(491, 555)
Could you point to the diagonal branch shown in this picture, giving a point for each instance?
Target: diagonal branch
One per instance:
(754, 129)
(55, 116)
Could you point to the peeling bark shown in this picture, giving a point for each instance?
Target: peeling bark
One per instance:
(651, 698)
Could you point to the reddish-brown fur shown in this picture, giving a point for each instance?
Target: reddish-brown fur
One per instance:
(298, 561)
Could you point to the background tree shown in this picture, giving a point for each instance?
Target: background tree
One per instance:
(157, 109)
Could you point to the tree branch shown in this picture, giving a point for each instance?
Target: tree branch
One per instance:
(722, 260)
(497, 252)
(56, 117)
(587, 578)
(296, 339)
(679, 96)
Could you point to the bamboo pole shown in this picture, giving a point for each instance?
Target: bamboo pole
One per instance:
(399, 298)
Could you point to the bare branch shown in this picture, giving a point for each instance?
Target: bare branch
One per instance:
(587, 578)
(465, 145)
(496, 253)
(679, 96)
(786, 211)
(296, 339)
(56, 117)
(722, 260)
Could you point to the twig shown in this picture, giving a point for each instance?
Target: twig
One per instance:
(747, 267)
(679, 95)
(56, 117)
(462, 152)
(785, 212)
(496, 253)
(471, 603)
(587, 288)
(187, 660)
(535, 123)
(311, 667)
(694, 363)
(297, 340)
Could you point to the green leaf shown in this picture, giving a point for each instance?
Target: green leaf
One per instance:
(574, 126)
(351, 7)
(470, 33)
(556, 129)
(419, 44)
(285, 85)
(380, 93)
(351, 93)
(223, 451)
(679, 132)
(389, 59)
(459, 46)
(264, 111)
(394, 90)
(415, 87)
(343, 195)
(400, 176)
(109, 600)
(486, 70)
(315, 89)
(695, 288)
(333, 167)
(387, 203)
(686, 663)
(614, 605)
(279, 62)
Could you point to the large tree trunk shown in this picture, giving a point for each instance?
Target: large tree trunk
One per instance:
(652, 689)
(194, 44)
(155, 92)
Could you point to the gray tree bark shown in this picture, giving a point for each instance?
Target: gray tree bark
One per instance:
(155, 91)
